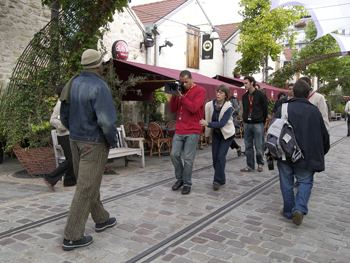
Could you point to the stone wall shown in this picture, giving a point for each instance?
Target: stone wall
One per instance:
(19, 21)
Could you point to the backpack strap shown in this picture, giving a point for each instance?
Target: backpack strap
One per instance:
(284, 112)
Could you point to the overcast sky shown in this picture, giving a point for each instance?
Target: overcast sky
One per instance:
(219, 11)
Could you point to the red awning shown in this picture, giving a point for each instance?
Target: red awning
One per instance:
(157, 76)
(270, 91)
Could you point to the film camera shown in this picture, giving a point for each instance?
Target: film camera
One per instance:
(173, 87)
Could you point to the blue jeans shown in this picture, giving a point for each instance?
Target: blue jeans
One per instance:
(187, 144)
(219, 148)
(305, 180)
(253, 132)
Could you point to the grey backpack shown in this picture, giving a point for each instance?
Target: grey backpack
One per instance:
(280, 139)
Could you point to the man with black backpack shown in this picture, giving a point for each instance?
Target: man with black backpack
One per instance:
(313, 139)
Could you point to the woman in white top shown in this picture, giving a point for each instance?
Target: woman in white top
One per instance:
(218, 119)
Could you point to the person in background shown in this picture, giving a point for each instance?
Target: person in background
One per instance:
(347, 111)
(313, 139)
(280, 95)
(328, 107)
(219, 122)
(318, 100)
(289, 96)
(236, 123)
(66, 168)
(189, 105)
(254, 117)
(87, 111)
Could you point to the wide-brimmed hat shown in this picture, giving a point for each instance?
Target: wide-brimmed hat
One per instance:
(91, 59)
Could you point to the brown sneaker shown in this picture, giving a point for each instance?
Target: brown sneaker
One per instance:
(216, 186)
(298, 218)
(260, 168)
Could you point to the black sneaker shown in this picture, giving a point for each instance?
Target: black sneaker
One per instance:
(70, 245)
(186, 190)
(177, 185)
(109, 223)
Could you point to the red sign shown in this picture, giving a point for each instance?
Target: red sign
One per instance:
(235, 93)
(120, 50)
(271, 94)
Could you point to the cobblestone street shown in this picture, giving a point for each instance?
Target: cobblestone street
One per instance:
(238, 223)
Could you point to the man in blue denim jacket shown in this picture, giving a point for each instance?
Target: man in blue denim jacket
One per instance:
(87, 111)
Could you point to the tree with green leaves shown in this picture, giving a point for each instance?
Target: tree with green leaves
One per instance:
(329, 70)
(261, 31)
(319, 58)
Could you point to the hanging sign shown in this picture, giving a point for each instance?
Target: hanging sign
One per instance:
(207, 47)
(120, 50)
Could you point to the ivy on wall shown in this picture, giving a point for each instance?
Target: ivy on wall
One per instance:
(52, 57)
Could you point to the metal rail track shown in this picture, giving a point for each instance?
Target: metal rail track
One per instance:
(183, 234)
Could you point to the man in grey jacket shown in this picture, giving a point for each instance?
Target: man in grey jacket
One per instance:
(87, 111)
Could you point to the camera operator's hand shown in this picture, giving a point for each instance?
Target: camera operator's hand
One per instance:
(178, 94)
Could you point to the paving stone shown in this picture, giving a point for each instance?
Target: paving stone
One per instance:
(258, 250)
(168, 257)
(320, 259)
(260, 258)
(272, 233)
(200, 248)
(179, 251)
(212, 237)
(219, 254)
(228, 234)
(237, 251)
(280, 256)
(216, 245)
(253, 228)
(235, 243)
(249, 240)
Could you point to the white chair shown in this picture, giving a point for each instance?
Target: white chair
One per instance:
(59, 155)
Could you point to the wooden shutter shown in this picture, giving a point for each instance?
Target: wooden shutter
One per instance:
(193, 36)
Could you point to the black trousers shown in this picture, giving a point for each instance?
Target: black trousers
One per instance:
(234, 145)
(66, 168)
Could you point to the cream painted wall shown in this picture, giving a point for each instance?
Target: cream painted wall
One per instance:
(175, 56)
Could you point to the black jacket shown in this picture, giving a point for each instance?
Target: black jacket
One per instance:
(310, 133)
(259, 107)
(279, 103)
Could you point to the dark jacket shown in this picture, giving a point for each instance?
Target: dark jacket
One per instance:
(279, 103)
(259, 107)
(90, 116)
(310, 133)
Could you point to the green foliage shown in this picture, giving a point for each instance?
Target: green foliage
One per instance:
(156, 116)
(119, 88)
(3, 97)
(53, 56)
(259, 31)
(159, 97)
(319, 58)
(270, 105)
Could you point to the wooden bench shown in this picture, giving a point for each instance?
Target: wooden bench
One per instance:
(122, 150)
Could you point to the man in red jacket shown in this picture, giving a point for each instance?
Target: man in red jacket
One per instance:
(189, 104)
